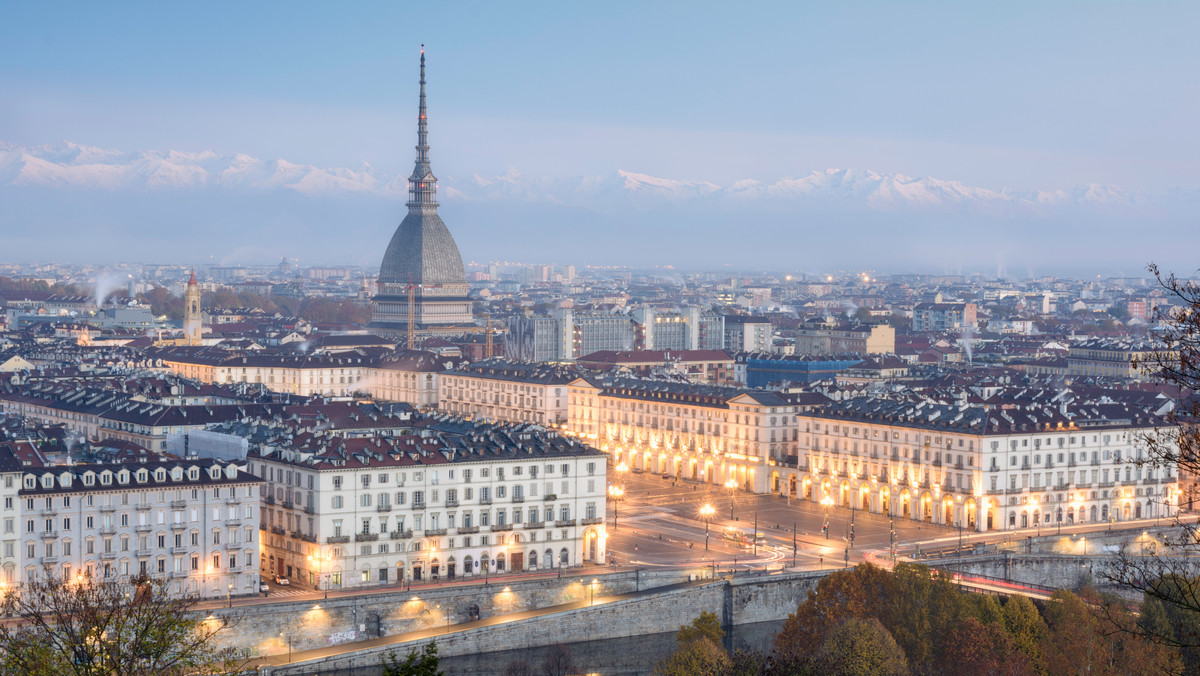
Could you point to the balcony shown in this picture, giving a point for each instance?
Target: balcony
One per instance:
(518, 498)
(562, 523)
(143, 553)
(107, 508)
(308, 538)
(383, 508)
(270, 499)
(142, 528)
(535, 524)
(501, 527)
(142, 507)
(337, 539)
(288, 504)
(233, 523)
(278, 530)
(467, 530)
(108, 530)
(49, 513)
(429, 532)
(485, 501)
(49, 560)
(179, 574)
(418, 504)
(295, 534)
(108, 556)
(309, 509)
(550, 497)
(178, 504)
(451, 502)
(49, 534)
(401, 534)
(179, 526)
(366, 537)
(233, 500)
(588, 522)
(179, 550)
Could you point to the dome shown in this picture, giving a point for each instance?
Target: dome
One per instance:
(423, 250)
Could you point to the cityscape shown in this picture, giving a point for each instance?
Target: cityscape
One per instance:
(263, 417)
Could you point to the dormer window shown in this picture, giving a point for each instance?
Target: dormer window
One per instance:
(106, 479)
(123, 477)
(176, 473)
(89, 479)
(193, 473)
(30, 482)
(142, 475)
(160, 474)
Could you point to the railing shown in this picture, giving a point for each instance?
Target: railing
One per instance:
(143, 553)
(49, 512)
(278, 530)
(179, 526)
(588, 522)
(418, 504)
(308, 538)
(502, 526)
(270, 499)
(535, 524)
(467, 530)
(451, 502)
(142, 507)
(178, 504)
(49, 534)
(108, 508)
(366, 537)
(142, 528)
(288, 504)
(383, 508)
(108, 555)
(108, 530)
(518, 498)
(564, 522)
(434, 531)
(337, 539)
(550, 496)
(401, 534)
(179, 550)
(485, 501)
(309, 509)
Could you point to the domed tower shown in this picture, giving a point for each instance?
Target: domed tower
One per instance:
(422, 266)
(192, 322)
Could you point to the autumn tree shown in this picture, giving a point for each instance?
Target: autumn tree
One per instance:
(92, 627)
(558, 661)
(973, 647)
(859, 647)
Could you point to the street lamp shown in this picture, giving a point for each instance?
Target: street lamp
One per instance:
(229, 596)
(732, 486)
(321, 568)
(616, 493)
(826, 502)
(706, 511)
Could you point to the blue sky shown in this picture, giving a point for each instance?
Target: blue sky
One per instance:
(1019, 95)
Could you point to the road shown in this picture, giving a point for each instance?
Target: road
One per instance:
(657, 523)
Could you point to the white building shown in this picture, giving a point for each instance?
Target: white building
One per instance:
(424, 498)
(499, 390)
(192, 521)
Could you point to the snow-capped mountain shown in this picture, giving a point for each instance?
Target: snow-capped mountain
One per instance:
(72, 166)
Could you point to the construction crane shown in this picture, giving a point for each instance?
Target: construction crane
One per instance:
(487, 344)
(412, 314)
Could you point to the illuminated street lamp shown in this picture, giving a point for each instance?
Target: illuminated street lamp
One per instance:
(732, 486)
(616, 493)
(827, 502)
(707, 511)
(321, 568)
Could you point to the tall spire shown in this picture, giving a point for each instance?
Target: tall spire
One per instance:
(422, 185)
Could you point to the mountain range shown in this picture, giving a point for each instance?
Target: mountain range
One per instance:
(133, 192)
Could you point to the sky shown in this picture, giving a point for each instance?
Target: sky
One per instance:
(1018, 96)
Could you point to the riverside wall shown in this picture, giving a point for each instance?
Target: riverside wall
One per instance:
(274, 628)
(743, 600)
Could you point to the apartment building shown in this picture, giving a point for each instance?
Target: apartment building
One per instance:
(194, 522)
(500, 390)
(422, 497)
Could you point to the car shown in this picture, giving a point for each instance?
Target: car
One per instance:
(279, 579)
(263, 588)
(666, 476)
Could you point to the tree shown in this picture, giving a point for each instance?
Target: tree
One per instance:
(840, 596)
(862, 648)
(698, 657)
(705, 626)
(423, 663)
(87, 626)
(1024, 626)
(558, 661)
(972, 647)
(1168, 574)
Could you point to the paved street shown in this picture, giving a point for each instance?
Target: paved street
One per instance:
(658, 522)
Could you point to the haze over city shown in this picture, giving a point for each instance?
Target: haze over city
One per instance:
(1020, 140)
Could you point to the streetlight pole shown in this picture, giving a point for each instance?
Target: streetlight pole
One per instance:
(706, 511)
(732, 486)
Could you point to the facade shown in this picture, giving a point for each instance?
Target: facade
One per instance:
(1107, 357)
(194, 522)
(944, 316)
(852, 338)
(689, 329)
(709, 434)
(419, 498)
(566, 335)
(979, 469)
(422, 259)
(499, 390)
(714, 367)
(747, 334)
